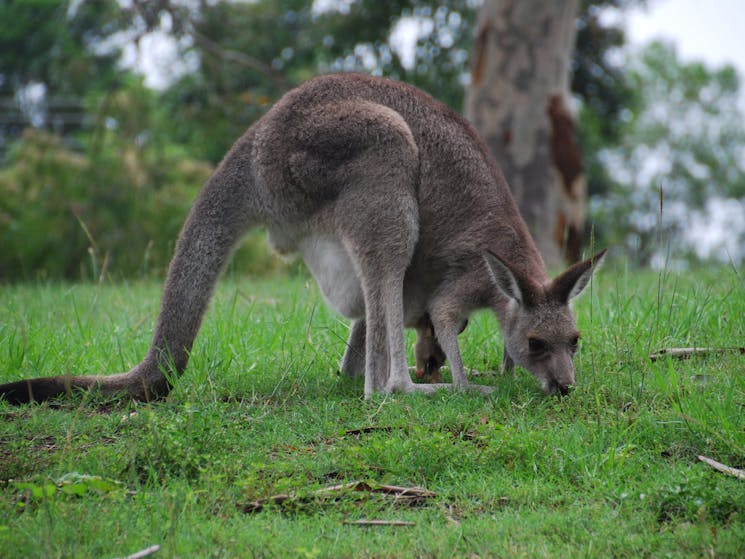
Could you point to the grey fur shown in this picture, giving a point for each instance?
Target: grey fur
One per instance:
(393, 200)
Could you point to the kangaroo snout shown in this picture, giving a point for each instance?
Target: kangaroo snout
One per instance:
(559, 387)
(559, 380)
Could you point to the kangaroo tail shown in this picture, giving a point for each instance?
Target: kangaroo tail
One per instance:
(222, 213)
(40, 389)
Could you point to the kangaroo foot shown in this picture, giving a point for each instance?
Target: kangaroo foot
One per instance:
(412, 387)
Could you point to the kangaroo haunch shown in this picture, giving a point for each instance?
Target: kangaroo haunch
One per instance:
(399, 212)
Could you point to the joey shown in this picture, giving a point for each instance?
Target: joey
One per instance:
(428, 354)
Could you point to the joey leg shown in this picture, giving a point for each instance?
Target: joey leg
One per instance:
(428, 354)
(448, 325)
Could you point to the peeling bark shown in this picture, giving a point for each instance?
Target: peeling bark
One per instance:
(567, 160)
(518, 101)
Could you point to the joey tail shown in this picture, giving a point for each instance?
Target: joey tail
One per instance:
(220, 216)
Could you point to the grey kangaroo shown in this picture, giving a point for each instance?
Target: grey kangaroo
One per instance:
(399, 212)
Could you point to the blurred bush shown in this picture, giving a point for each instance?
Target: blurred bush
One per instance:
(114, 210)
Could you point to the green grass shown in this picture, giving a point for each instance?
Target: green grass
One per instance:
(610, 471)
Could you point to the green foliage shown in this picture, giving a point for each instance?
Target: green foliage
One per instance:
(599, 80)
(117, 207)
(362, 40)
(71, 484)
(52, 54)
(598, 77)
(39, 193)
(610, 470)
(50, 42)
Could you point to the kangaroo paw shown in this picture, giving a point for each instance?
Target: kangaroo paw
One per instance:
(409, 388)
(480, 388)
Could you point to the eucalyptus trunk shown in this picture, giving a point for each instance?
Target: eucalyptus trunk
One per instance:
(518, 100)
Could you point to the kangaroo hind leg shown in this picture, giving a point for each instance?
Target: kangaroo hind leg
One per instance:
(376, 217)
(381, 260)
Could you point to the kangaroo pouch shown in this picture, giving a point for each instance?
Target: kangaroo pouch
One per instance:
(332, 268)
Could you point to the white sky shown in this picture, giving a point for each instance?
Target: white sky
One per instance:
(708, 30)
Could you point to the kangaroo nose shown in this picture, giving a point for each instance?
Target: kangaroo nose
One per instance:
(559, 388)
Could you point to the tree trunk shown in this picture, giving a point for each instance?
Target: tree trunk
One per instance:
(518, 101)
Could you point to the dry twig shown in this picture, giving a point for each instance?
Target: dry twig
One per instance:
(144, 553)
(686, 352)
(379, 522)
(718, 466)
(407, 495)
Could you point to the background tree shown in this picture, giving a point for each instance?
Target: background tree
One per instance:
(51, 54)
(116, 185)
(518, 99)
(525, 57)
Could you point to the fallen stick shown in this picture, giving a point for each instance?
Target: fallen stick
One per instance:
(686, 352)
(379, 523)
(396, 490)
(411, 495)
(144, 553)
(740, 474)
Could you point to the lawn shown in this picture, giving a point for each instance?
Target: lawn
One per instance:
(611, 470)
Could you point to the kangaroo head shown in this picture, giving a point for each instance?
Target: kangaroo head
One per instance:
(540, 333)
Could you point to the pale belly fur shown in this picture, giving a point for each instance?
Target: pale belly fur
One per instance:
(328, 261)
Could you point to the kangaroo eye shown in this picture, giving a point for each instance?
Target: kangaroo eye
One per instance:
(537, 345)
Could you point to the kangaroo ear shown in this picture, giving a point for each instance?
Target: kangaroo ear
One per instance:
(573, 281)
(508, 281)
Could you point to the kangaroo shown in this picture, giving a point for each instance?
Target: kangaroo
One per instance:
(400, 213)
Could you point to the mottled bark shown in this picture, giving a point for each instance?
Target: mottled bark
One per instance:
(518, 100)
